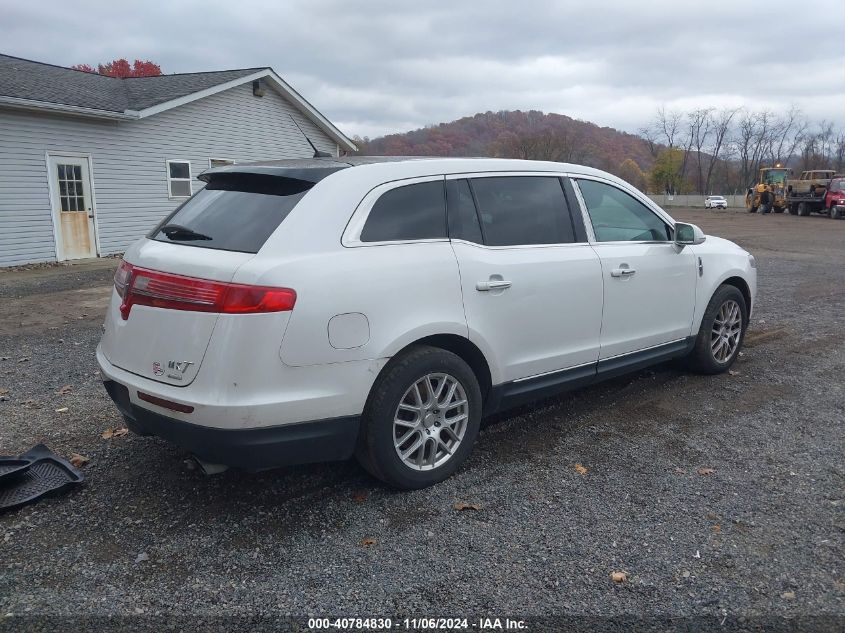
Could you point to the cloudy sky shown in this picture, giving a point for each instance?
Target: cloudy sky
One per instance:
(375, 67)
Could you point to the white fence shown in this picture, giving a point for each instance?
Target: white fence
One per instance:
(694, 200)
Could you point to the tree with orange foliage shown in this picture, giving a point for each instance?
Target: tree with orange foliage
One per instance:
(121, 68)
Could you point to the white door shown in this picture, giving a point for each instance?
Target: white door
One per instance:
(532, 296)
(73, 211)
(649, 282)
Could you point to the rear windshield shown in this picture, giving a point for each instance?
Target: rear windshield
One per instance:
(235, 213)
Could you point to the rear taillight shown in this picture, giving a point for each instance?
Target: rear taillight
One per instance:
(122, 276)
(139, 286)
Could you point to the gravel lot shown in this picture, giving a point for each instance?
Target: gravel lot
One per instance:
(762, 536)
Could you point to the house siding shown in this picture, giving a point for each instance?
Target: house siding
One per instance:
(128, 162)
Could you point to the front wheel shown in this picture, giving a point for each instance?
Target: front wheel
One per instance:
(421, 419)
(721, 333)
(836, 213)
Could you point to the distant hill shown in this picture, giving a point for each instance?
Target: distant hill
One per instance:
(517, 134)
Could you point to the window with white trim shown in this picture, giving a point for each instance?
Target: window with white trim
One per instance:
(220, 162)
(179, 178)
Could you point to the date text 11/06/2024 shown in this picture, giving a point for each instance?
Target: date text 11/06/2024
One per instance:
(415, 624)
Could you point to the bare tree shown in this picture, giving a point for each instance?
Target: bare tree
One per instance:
(650, 136)
(668, 125)
(819, 149)
(700, 126)
(721, 127)
(753, 141)
(839, 152)
(727, 147)
(787, 134)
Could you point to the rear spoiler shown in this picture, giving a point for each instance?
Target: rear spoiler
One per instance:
(310, 171)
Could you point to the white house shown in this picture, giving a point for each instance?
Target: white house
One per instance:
(90, 163)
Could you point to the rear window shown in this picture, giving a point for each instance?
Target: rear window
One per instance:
(237, 212)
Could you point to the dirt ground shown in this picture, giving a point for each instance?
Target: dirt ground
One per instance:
(762, 537)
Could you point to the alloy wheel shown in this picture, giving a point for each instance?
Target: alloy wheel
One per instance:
(727, 327)
(430, 421)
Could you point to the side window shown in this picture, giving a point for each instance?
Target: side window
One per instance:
(463, 220)
(522, 210)
(410, 212)
(619, 217)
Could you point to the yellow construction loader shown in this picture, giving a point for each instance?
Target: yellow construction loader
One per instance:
(769, 194)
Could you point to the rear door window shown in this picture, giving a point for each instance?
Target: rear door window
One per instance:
(407, 213)
(237, 212)
(522, 210)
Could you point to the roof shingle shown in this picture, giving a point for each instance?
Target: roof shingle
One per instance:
(25, 79)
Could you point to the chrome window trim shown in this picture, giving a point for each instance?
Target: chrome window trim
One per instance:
(634, 193)
(499, 174)
(351, 237)
(585, 217)
(518, 246)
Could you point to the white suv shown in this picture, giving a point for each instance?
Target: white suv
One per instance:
(313, 310)
(715, 202)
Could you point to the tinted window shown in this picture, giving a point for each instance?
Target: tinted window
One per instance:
(463, 220)
(619, 217)
(237, 214)
(518, 210)
(411, 212)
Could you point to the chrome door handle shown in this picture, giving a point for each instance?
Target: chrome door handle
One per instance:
(494, 284)
(622, 272)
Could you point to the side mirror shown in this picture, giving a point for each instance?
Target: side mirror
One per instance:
(686, 234)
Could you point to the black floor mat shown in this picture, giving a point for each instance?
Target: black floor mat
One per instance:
(12, 466)
(36, 473)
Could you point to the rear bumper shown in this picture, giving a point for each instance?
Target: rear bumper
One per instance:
(253, 448)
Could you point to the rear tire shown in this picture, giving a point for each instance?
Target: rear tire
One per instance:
(721, 333)
(793, 209)
(409, 406)
(803, 209)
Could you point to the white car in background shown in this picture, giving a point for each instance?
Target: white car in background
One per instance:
(308, 310)
(715, 202)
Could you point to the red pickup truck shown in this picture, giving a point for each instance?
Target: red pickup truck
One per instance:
(834, 199)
